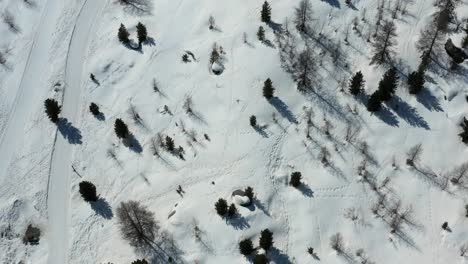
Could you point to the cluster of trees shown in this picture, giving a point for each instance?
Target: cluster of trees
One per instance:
(124, 35)
(246, 247)
(224, 210)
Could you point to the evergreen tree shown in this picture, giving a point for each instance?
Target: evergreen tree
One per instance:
(221, 207)
(261, 259)
(52, 109)
(232, 210)
(121, 129)
(356, 84)
(465, 42)
(388, 84)
(246, 247)
(142, 33)
(249, 193)
(416, 81)
(253, 121)
(464, 133)
(169, 144)
(94, 109)
(123, 35)
(261, 33)
(295, 179)
(268, 89)
(266, 12)
(375, 102)
(266, 239)
(88, 191)
(140, 261)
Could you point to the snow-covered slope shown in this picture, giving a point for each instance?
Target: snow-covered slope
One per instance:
(235, 155)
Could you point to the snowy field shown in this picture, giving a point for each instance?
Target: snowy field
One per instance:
(58, 43)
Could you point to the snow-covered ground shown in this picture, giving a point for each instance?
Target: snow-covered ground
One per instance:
(61, 42)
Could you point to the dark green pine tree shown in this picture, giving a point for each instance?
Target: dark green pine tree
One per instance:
(232, 210)
(142, 33)
(221, 207)
(464, 133)
(246, 247)
(268, 89)
(123, 35)
(52, 110)
(253, 121)
(375, 102)
(388, 84)
(465, 41)
(170, 144)
(249, 192)
(121, 129)
(140, 261)
(356, 83)
(266, 12)
(266, 239)
(88, 191)
(94, 109)
(261, 33)
(416, 81)
(295, 179)
(261, 259)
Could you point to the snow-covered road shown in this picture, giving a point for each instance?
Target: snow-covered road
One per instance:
(69, 136)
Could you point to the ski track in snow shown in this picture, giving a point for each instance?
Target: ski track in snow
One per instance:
(58, 189)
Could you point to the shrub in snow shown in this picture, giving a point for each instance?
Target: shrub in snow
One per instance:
(221, 207)
(32, 235)
(123, 35)
(121, 129)
(88, 191)
(295, 179)
(356, 83)
(169, 144)
(253, 121)
(414, 155)
(261, 34)
(261, 259)
(52, 109)
(265, 14)
(336, 242)
(246, 247)
(185, 58)
(266, 239)
(211, 23)
(94, 109)
(137, 225)
(268, 89)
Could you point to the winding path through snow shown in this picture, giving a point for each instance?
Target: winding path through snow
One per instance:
(59, 187)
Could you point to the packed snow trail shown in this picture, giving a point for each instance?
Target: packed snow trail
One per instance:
(31, 85)
(59, 188)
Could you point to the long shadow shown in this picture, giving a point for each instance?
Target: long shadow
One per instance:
(279, 256)
(268, 43)
(409, 113)
(101, 117)
(261, 131)
(69, 132)
(336, 3)
(239, 222)
(260, 206)
(102, 208)
(305, 190)
(283, 109)
(387, 116)
(137, 7)
(277, 28)
(429, 101)
(132, 143)
(150, 41)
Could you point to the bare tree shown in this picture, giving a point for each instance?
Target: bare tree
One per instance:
(188, 105)
(324, 156)
(463, 249)
(9, 20)
(137, 225)
(351, 214)
(211, 23)
(155, 146)
(336, 242)
(383, 43)
(137, 6)
(459, 174)
(303, 16)
(414, 154)
(304, 70)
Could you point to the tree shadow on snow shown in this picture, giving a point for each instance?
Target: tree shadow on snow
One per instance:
(238, 222)
(277, 28)
(100, 117)
(279, 256)
(283, 109)
(69, 132)
(257, 204)
(305, 190)
(261, 130)
(336, 3)
(429, 101)
(387, 116)
(408, 113)
(102, 208)
(132, 143)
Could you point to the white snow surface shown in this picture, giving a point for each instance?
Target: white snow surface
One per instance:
(60, 42)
